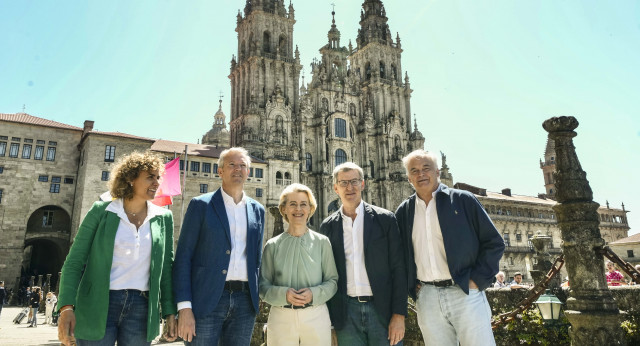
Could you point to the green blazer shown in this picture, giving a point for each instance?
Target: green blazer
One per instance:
(89, 292)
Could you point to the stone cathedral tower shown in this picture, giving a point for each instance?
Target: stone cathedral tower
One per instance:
(264, 90)
(356, 107)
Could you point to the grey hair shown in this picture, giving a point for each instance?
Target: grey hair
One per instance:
(345, 167)
(234, 150)
(501, 273)
(420, 153)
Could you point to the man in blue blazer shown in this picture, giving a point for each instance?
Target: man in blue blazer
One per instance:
(371, 303)
(218, 258)
(452, 251)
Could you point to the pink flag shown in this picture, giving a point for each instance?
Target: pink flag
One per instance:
(170, 185)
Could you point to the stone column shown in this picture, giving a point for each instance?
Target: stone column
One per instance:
(544, 261)
(591, 309)
(58, 284)
(48, 283)
(278, 224)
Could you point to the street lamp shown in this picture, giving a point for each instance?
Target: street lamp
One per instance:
(549, 306)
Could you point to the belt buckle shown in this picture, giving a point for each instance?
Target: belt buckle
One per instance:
(361, 301)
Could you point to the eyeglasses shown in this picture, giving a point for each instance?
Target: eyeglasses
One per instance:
(352, 182)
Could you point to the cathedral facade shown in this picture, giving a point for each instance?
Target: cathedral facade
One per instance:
(355, 108)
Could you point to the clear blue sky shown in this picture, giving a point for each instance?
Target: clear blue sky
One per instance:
(485, 75)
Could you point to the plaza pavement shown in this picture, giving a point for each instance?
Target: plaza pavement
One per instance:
(18, 334)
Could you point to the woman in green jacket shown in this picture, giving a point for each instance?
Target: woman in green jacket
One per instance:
(118, 272)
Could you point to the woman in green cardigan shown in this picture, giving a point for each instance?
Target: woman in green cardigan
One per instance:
(125, 248)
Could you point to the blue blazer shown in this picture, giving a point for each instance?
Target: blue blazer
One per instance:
(471, 241)
(204, 251)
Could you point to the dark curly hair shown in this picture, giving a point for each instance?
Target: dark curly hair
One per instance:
(128, 169)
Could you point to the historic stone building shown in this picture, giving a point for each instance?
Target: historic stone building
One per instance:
(356, 107)
(518, 218)
(51, 174)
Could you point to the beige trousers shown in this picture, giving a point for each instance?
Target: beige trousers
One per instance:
(310, 326)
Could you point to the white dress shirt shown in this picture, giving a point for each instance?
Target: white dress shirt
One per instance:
(428, 246)
(132, 249)
(237, 216)
(353, 235)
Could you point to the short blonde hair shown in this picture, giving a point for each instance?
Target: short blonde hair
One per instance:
(234, 150)
(420, 153)
(297, 188)
(345, 167)
(128, 169)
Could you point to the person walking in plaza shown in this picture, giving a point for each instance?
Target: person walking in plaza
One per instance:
(371, 303)
(34, 304)
(117, 276)
(50, 302)
(452, 252)
(218, 259)
(298, 275)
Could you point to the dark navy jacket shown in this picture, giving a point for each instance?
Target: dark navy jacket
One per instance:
(204, 248)
(383, 261)
(471, 241)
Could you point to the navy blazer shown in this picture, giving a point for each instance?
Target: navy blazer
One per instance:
(471, 241)
(204, 252)
(384, 262)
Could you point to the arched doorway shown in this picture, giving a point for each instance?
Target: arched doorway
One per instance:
(46, 244)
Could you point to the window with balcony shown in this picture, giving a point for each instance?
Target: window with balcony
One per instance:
(340, 128)
(26, 151)
(39, 153)
(51, 153)
(13, 150)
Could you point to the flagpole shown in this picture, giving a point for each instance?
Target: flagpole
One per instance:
(184, 184)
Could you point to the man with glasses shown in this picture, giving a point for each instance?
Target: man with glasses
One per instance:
(452, 251)
(371, 303)
(215, 273)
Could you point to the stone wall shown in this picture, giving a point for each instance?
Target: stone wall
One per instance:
(503, 300)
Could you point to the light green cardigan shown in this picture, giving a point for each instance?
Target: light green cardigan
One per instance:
(89, 293)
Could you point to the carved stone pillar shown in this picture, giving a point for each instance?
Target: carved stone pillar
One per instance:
(278, 223)
(544, 261)
(591, 309)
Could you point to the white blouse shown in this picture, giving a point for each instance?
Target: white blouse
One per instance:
(132, 249)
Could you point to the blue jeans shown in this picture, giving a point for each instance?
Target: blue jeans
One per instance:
(363, 326)
(126, 320)
(446, 316)
(34, 318)
(229, 324)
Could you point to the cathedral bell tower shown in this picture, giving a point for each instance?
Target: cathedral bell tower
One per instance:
(548, 167)
(264, 81)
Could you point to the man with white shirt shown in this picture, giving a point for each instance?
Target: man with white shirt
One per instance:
(371, 303)
(452, 252)
(218, 258)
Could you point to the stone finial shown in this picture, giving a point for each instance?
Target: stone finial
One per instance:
(571, 180)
